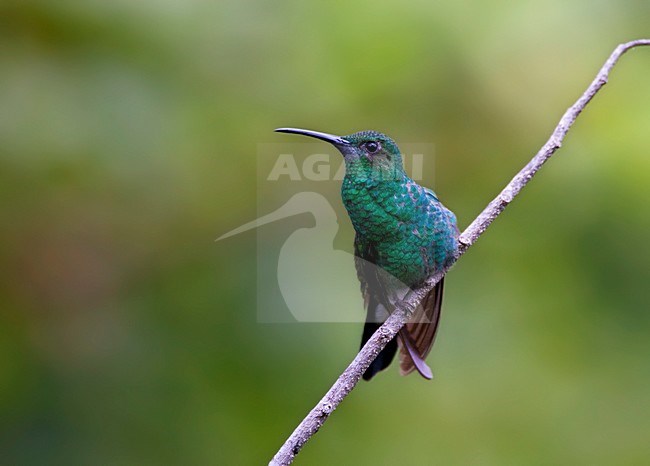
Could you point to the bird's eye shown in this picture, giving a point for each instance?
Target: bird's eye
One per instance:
(372, 147)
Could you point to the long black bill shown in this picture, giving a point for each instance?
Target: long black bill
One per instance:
(332, 139)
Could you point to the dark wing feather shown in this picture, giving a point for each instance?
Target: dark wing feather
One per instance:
(421, 330)
(385, 356)
(370, 289)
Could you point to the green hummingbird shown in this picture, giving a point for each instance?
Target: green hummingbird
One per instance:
(403, 235)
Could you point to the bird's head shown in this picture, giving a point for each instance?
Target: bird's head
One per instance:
(367, 154)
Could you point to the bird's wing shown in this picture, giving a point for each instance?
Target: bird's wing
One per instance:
(417, 336)
(376, 313)
(363, 255)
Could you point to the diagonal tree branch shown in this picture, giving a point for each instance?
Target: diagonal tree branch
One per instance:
(349, 378)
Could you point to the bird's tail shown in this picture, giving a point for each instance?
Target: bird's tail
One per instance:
(417, 336)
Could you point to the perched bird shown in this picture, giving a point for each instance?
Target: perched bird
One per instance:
(403, 235)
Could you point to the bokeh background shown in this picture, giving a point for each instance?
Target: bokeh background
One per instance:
(128, 141)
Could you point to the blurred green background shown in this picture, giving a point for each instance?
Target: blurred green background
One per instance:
(128, 142)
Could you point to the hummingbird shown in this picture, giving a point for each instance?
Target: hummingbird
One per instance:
(403, 234)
